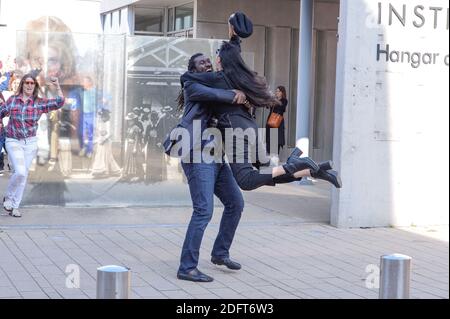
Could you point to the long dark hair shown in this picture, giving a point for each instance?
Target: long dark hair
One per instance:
(243, 78)
(191, 68)
(22, 82)
(283, 91)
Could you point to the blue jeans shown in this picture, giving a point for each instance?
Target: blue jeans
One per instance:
(2, 145)
(88, 132)
(21, 153)
(205, 180)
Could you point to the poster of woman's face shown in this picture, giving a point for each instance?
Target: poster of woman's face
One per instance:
(48, 45)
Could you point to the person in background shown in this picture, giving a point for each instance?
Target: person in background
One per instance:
(104, 164)
(24, 110)
(4, 84)
(133, 170)
(280, 94)
(7, 89)
(89, 107)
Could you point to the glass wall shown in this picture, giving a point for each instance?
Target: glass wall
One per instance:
(103, 147)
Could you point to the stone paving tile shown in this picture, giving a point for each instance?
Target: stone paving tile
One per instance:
(255, 294)
(8, 292)
(177, 294)
(5, 282)
(315, 294)
(147, 292)
(279, 261)
(225, 293)
(241, 287)
(157, 281)
(26, 286)
(33, 295)
(209, 295)
(276, 292)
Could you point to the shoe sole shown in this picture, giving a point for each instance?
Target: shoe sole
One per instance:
(339, 181)
(193, 280)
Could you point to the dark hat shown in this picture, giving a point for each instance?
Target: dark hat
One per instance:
(242, 25)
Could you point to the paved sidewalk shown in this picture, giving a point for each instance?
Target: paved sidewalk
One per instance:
(287, 250)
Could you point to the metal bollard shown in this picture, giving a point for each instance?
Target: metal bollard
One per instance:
(395, 275)
(113, 282)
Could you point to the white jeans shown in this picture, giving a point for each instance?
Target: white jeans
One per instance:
(21, 154)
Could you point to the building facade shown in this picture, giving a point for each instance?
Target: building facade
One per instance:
(367, 85)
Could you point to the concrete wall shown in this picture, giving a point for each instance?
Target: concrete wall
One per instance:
(325, 16)
(391, 129)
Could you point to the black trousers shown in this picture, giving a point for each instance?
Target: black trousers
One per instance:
(245, 165)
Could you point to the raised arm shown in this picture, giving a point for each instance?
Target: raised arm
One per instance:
(48, 105)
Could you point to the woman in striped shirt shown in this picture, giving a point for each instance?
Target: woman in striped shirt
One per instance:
(24, 110)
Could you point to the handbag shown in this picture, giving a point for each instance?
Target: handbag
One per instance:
(274, 120)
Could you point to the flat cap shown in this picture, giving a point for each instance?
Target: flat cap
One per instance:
(242, 25)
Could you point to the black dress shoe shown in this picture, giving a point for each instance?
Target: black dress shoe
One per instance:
(227, 262)
(296, 152)
(329, 176)
(326, 165)
(194, 275)
(295, 164)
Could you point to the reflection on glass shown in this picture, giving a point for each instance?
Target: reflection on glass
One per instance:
(181, 17)
(148, 20)
(108, 136)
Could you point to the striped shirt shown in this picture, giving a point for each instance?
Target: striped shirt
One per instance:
(24, 115)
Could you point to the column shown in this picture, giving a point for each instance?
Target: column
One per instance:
(304, 75)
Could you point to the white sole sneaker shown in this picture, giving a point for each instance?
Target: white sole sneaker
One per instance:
(7, 205)
(15, 213)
